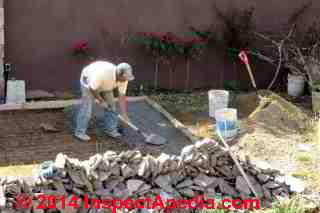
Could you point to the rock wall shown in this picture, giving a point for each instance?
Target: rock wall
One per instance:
(204, 168)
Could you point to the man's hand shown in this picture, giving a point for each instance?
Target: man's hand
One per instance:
(98, 101)
(96, 95)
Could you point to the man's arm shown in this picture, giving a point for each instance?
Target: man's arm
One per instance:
(96, 95)
(123, 102)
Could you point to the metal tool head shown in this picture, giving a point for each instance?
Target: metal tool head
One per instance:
(156, 139)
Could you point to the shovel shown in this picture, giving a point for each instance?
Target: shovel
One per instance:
(152, 138)
(245, 60)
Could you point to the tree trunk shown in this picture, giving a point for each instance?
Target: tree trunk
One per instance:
(187, 74)
(156, 75)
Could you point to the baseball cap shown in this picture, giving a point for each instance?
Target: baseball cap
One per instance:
(126, 70)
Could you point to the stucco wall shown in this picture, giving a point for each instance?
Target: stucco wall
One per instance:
(39, 34)
(1, 49)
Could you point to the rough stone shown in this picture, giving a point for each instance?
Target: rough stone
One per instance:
(164, 181)
(271, 185)
(267, 194)
(295, 184)
(225, 188)
(263, 178)
(187, 192)
(204, 180)
(144, 188)
(127, 171)
(187, 151)
(111, 175)
(134, 184)
(185, 183)
(242, 186)
(2, 197)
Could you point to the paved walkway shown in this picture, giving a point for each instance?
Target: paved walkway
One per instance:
(23, 141)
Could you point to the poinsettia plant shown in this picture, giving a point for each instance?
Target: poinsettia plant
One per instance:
(81, 50)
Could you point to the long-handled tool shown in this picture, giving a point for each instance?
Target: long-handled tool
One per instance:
(238, 165)
(245, 60)
(152, 138)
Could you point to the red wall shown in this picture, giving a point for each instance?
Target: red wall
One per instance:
(39, 34)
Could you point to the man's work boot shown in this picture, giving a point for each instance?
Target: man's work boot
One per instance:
(114, 134)
(121, 130)
(83, 137)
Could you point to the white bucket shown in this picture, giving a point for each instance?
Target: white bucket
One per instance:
(218, 99)
(295, 85)
(226, 122)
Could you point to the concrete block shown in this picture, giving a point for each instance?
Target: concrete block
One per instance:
(16, 91)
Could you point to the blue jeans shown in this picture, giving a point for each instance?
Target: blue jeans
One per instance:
(85, 112)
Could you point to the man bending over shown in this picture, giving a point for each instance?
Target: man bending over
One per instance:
(98, 80)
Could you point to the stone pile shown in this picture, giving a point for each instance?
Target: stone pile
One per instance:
(204, 168)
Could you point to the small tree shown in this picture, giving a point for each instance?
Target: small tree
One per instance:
(171, 50)
(192, 50)
(151, 43)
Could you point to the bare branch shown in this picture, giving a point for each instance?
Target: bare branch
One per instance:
(262, 57)
(279, 46)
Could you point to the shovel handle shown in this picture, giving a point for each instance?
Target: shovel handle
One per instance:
(129, 123)
(245, 60)
(125, 121)
(251, 76)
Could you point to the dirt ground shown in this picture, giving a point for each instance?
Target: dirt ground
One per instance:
(282, 134)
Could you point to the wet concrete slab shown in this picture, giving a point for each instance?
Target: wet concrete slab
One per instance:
(23, 141)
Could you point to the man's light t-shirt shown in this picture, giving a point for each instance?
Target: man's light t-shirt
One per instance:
(101, 76)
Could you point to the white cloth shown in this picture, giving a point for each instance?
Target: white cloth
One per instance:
(101, 76)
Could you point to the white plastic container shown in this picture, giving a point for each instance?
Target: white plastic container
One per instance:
(218, 99)
(226, 122)
(16, 92)
(295, 85)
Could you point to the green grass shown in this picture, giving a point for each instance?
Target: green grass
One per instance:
(304, 158)
(294, 205)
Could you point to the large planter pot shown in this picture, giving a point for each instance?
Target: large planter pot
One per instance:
(295, 85)
(315, 101)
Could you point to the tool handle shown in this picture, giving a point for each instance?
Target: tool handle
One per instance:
(251, 76)
(245, 60)
(238, 165)
(129, 123)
